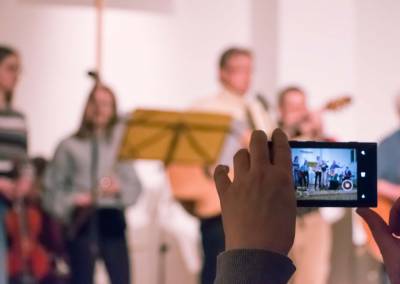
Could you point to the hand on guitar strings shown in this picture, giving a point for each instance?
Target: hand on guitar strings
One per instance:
(83, 199)
(387, 237)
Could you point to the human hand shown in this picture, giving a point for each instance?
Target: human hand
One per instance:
(22, 187)
(387, 237)
(109, 186)
(83, 199)
(7, 187)
(259, 206)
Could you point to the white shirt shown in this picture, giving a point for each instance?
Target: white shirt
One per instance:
(235, 105)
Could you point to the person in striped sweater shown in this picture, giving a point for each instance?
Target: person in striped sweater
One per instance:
(15, 172)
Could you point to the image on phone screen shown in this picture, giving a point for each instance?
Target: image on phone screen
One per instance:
(325, 174)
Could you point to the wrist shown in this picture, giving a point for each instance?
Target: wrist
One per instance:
(256, 243)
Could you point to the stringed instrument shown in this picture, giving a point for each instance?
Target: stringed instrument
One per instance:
(28, 260)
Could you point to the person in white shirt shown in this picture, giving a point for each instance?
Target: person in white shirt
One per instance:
(198, 194)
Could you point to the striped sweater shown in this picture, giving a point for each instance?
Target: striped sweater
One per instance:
(13, 143)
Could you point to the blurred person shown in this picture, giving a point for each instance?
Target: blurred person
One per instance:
(88, 189)
(296, 119)
(15, 171)
(300, 123)
(198, 194)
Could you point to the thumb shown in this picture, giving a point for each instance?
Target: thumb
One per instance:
(376, 224)
(394, 219)
(221, 178)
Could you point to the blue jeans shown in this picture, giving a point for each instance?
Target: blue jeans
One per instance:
(3, 245)
(213, 240)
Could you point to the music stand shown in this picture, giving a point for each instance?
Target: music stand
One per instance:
(189, 137)
(175, 137)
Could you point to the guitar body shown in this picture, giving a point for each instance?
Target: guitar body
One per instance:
(37, 261)
(26, 255)
(194, 189)
(383, 209)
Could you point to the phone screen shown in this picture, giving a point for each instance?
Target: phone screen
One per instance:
(334, 174)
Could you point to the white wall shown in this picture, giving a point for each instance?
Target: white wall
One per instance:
(264, 30)
(344, 47)
(151, 59)
(378, 67)
(317, 51)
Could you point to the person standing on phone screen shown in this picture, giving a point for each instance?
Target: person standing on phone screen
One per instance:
(324, 174)
(88, 189)
(305, 175)
(198, 194)
(318, 173)
(296, 171)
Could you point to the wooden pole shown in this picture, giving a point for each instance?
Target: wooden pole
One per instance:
(99, 35)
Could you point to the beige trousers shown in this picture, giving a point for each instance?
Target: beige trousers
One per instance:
(311, 250)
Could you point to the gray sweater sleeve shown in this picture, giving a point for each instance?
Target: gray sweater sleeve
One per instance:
(252, 266)
(59, 190)
(131, 186)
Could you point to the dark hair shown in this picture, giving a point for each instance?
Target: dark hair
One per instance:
(86, 127)
(5, 52)
(231, 52)
(39, 164)
(282, 94)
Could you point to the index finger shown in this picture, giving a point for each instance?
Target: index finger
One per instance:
(259, 152)
(281, 154)
(394, 218)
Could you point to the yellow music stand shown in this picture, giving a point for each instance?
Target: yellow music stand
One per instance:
(175, 137)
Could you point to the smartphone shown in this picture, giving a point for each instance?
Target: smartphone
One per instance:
(334, 174)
